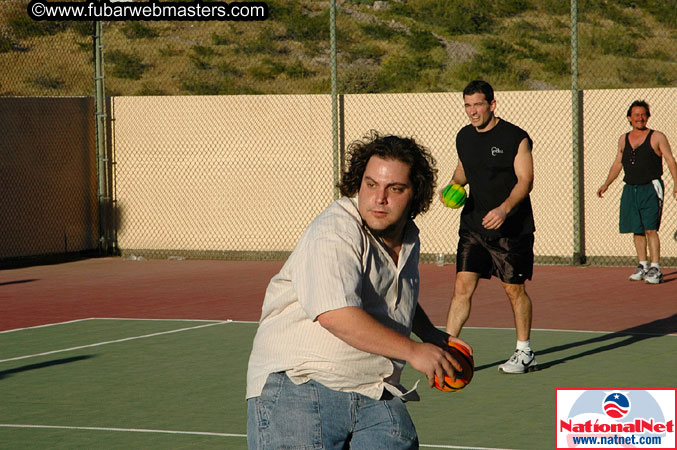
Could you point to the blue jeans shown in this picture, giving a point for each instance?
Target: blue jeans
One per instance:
(312, 416)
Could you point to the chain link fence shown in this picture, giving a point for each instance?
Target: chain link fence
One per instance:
(243, 184)
(47, 162)
(222, 132)
(44, 59)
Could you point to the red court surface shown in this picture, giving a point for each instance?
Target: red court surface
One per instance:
(564, 297)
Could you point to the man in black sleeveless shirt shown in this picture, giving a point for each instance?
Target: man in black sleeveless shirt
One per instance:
(640, 155)
(496, 235)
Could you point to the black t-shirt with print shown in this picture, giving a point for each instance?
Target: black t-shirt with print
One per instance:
(488, 160)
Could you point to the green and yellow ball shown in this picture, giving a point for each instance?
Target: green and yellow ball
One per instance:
(453, 196)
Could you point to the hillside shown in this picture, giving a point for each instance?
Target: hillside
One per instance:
(383, 46)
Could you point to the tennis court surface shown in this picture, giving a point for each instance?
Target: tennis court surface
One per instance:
(114, 353)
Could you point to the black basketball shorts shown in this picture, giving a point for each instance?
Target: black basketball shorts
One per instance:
(509, 258)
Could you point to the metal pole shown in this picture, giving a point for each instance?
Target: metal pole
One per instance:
(100, 130)
(334, 98)
(577, 144)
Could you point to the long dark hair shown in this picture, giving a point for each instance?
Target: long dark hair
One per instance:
(422, 171)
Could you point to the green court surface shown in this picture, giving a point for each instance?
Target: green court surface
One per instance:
(153, 384)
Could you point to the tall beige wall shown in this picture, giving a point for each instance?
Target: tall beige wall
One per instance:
(248, 173)
(47, 176)
(223, 173)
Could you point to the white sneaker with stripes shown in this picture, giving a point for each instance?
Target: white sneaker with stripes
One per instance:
(519, 362)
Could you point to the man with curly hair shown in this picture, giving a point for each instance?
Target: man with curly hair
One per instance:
(333, 338)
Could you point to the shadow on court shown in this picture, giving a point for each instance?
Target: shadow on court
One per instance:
(42, 365)
(669, 277)
(629, 336)
(47, 260)
(7, 283)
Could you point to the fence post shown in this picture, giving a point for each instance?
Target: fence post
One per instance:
(102, 160)
(341, 133)
(334, 99)
(577, 144)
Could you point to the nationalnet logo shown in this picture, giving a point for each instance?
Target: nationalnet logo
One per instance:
(616, 418)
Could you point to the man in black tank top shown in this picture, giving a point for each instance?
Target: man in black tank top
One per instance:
(640, 155)
(496, 236)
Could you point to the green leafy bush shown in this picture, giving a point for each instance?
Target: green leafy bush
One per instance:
(83, 28)
(125, 65)
(270, 69)
(262, 44)
(422, 41)
(220, 39)
(509, 8)
(228, 69)
(365, 50)
(5, 44)
(24, 27)
(453, 16)
(638, 73)
(557, 66)
(301, 25)
(663, 11)
(267, 70)
(47, 81)
(495, 60)
(659, 54)
(495, 55)
(377, 31)
(297, 70)
(615, 41)
(525, 49)
(402, 73)
(138, 30)
(614, 11)
(169, 50)
(212, 87)
(556, 7)
(199, 63)
(201, 55)
(359, 81)
(203, 51)
(150, 89)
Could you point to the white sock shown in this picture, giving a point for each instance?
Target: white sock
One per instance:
(645, 264)
(655, 265)
(525, 346)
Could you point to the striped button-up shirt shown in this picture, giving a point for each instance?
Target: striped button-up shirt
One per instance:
(337, 263)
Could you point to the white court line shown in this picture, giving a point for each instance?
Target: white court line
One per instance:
(113, 318)
(98, 344)
(142, 319)
(256, 322)
(46, 325)
(200, 433)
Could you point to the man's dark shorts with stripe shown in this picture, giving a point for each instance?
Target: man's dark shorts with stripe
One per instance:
(509, 258)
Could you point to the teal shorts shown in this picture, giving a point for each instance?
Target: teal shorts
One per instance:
(641, 207)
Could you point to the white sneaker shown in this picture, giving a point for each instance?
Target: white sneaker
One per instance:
(638, 274)
(653, 276)
(519, 362)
